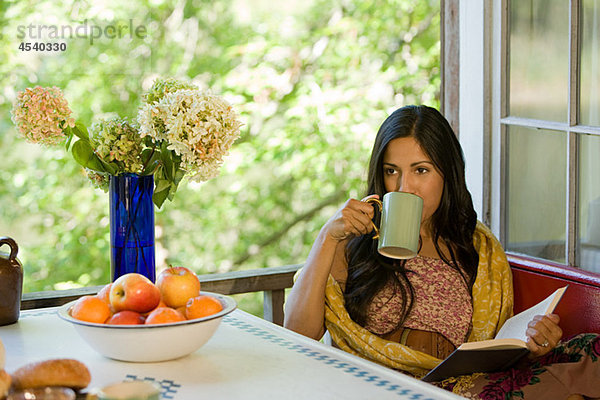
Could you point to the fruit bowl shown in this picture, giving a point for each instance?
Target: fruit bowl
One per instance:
(149, 343)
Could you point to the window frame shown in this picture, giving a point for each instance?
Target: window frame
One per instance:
(491, 56)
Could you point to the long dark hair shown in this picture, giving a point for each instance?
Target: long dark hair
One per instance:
(453, 222)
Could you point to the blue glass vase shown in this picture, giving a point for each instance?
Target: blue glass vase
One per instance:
(131, 225)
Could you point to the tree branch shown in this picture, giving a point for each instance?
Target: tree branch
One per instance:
(335, 198)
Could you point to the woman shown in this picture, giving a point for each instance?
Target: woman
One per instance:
(410, 314)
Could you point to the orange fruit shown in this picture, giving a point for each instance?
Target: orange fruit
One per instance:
(90, 309)
(202, 306)
(181, 310)
(160, 304)
(164, 315)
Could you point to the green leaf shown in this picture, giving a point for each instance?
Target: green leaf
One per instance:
(147, 153)
(151, 160)
(148, 141)
(159, 197)
(81, 131)
(85, 156)
(152, 167)
(112, 168)
(161, 185)
(179, 174)
(165, 156)
(69, 139)
(172, 191)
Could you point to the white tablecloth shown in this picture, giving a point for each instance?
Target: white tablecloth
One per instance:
(247, 358)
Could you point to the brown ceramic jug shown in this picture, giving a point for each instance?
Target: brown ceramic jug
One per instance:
(11, 283)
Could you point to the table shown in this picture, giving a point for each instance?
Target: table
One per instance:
(247, 358)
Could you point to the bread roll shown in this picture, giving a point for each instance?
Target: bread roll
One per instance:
(4, 383)
(58, 372)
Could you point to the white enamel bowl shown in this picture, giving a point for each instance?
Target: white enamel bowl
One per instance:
(150, 343)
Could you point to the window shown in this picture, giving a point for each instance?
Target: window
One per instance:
(548, 129)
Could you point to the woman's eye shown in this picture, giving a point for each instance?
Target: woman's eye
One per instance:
(390, 171)
(421, 170)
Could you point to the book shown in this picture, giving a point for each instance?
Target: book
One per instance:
(496, 354)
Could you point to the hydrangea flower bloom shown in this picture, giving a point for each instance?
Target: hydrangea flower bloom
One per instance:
(41, 114)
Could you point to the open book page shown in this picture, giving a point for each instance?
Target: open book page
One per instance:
(496, 354)
(515, 327)
(493, 344)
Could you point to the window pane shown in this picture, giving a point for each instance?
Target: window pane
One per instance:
(590, 63)
(536, 193)
(589, 203)
(539, 59)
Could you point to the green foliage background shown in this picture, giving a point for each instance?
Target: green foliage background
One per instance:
(312, 80)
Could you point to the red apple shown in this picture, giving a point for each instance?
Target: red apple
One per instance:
(177, 285)
(134, 292)
(126, 317)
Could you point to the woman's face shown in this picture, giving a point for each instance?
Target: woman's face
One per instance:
(406, 168)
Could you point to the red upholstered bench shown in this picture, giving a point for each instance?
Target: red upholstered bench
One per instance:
(579, 309)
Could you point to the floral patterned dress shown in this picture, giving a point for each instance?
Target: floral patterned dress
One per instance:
(573, 367)
(442, 302)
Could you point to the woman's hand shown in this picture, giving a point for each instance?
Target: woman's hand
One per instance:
(354, 218)
(543, 334)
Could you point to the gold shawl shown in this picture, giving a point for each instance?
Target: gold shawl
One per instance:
(492, 306)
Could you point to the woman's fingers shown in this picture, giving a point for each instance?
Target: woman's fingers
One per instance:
(361, 225)
(364, 207)
(353, 219)
(543, 333)
(547, 327)
(357, 220)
